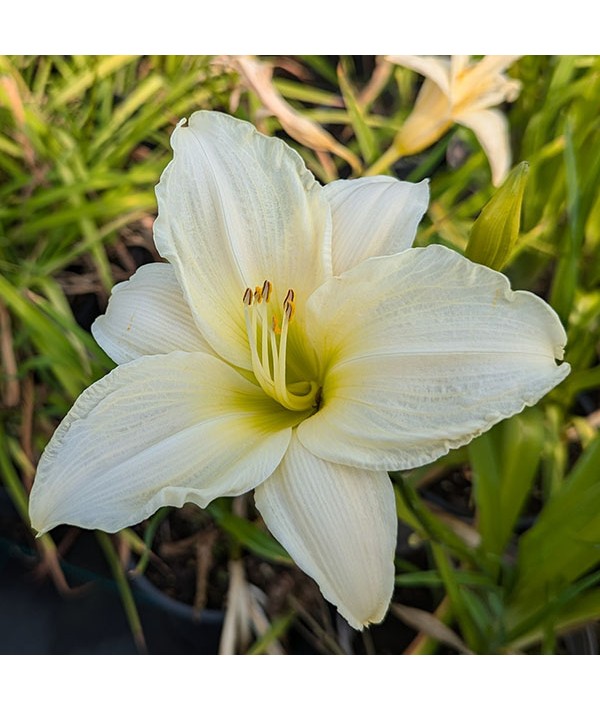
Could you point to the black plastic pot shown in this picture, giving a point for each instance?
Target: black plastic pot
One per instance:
(195, 633)
(36, 619)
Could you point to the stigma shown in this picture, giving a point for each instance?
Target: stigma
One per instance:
(268, 327)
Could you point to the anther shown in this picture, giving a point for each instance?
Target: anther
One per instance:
(289, 309)
(267, 289)
(288, 304)
(248, 297)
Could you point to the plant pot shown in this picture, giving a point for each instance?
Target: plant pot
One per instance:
(193, 632)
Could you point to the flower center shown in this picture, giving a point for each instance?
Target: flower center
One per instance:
(268, 346)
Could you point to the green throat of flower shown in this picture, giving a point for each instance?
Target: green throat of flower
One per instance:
(268, 345)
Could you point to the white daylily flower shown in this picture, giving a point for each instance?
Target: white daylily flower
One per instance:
(457, 91)
(340, 365)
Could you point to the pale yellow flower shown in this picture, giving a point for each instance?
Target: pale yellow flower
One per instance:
(296, 345)
(458, 91)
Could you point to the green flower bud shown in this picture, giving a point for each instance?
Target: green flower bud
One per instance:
(495, 231)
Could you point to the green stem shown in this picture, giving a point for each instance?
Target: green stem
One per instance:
(133, 618)
(12, 482)
(149, 534)
(458, 607)
(384, 163)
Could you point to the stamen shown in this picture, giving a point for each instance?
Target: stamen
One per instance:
(267, 289)
(263, 377)
(290, 309)
(262, 314)
(270, 366)
(289, 305)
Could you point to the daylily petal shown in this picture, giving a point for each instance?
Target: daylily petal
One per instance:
(339, 525)
(482, 85)
(236, 208)
(439, 352)
(435, 68)
(429, 120)
(373, 217)
(458, 64)
(494, 63)
(491, 130)
(158, 431)
(148, 315)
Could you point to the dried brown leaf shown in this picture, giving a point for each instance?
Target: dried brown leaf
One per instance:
(10, 389)
(429, 624)
(258, 77)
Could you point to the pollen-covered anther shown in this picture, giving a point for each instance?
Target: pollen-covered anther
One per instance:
(289, 305)
(263, 293)
(267, 289)
(268, 347)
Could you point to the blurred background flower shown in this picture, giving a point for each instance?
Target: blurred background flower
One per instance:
(457, 90)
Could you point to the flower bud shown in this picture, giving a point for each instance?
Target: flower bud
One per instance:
(495, 231)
